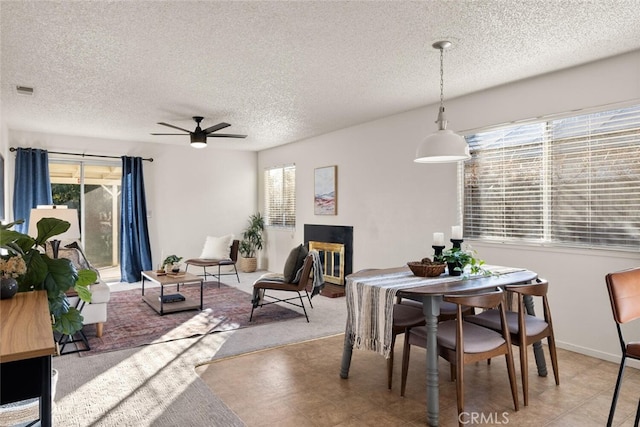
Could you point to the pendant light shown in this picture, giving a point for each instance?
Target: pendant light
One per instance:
(443, 146)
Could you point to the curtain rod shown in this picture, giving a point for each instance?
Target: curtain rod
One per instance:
(150, 159)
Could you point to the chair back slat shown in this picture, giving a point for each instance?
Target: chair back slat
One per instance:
(233, 253)
(485, 300)
(538, 289)
(624, 294)
(306, 272)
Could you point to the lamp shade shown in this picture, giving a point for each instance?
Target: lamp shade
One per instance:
(69, 215)
(442, 146)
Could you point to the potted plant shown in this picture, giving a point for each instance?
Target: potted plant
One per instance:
(457, 259)
(252, 241)
(171, 263)
(56, 276)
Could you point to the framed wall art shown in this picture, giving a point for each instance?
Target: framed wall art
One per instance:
(325, 197)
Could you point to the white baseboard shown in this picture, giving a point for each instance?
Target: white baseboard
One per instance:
(609, 357)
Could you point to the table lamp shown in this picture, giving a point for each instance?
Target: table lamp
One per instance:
(59, 212)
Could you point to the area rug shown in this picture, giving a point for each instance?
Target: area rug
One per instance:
(132, 323)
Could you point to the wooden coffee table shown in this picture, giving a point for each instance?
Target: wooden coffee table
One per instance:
(155, 300)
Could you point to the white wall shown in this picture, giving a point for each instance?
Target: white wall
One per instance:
(190, 193)
(395, 205)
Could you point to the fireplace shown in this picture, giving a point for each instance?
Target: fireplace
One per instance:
(335, 246)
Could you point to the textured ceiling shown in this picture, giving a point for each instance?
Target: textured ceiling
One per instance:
(279, 71)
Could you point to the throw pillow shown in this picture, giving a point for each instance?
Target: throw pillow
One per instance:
(217, 247)
(302, 254)
(291, 263)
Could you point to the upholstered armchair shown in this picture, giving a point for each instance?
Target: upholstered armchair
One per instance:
(96, 311)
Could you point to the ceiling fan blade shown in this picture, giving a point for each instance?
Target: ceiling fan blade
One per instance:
(181, 134)
(225, 135)
(175, 127)
(216, 127)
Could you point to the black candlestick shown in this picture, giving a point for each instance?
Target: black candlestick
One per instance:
(437, 252)
(457, 243)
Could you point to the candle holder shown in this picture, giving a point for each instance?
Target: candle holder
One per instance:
(457, 243)
(437, 252)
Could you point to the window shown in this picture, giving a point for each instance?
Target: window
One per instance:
(572, 181)
(93, 189)
(280, 196)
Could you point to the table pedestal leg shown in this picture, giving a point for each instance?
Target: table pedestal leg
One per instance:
(431, 309)
(346, 353)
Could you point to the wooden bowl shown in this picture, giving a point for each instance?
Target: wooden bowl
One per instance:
(426, 270)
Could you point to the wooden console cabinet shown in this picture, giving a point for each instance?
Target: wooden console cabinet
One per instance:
(26, 347)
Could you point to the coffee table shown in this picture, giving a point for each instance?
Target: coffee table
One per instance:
(156, 301)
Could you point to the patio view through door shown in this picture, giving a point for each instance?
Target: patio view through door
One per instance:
(94, 190)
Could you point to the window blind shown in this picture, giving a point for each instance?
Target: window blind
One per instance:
(280, 196)
(569, 181)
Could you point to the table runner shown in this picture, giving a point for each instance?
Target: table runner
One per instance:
(370, 303)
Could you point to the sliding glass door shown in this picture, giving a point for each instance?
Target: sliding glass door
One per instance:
(93, 189)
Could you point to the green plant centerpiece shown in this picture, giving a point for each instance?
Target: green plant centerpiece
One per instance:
(173, 261)
(457, 259)
(56, 276)
(252, 241)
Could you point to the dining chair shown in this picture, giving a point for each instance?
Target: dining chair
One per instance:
(461, 342)
(525, 329)
(624, 295)
(405, 316)
(408, 313)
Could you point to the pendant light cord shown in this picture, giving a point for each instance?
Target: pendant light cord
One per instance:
(441, 79)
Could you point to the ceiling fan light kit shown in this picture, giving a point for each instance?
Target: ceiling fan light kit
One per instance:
(443, 146)
(198, 140)
(199, 136)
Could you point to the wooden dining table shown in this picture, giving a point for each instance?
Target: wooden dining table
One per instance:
(368, 291)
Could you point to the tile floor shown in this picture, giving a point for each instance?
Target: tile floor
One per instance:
(299, 385)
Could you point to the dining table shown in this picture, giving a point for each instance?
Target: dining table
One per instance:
(371, 294)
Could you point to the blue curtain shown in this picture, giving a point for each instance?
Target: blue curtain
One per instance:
(135, 250)
(32, 186)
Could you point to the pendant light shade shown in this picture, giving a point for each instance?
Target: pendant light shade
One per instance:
(444, 145)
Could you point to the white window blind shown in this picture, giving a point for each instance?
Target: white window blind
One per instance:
(571, 181)
(280, 196)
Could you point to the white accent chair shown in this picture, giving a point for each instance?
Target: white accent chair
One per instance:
(96, 311)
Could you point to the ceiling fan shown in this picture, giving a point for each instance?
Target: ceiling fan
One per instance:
(199, 136)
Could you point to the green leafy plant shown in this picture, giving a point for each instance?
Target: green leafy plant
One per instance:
(171, 259)
(252, 238)
(56, 276)
(457, 259)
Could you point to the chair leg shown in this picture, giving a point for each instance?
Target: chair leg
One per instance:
(302, 304)
(390, 362)
(512, 379)
(218, 276)
(237, 277)
(99, 329)
(524, 370)
(616, 391)
(309, 298)
(460, 384)
(635, 423)
(405, 362)
(554, 357)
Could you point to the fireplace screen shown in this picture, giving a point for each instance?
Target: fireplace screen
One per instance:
(332, 257)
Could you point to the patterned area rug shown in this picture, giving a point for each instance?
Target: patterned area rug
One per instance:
(132, 323)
